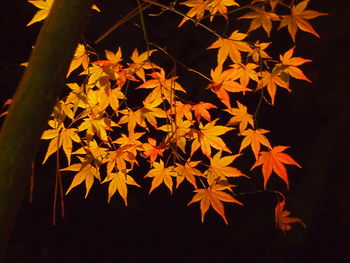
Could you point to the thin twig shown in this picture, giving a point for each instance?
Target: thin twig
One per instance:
(122, 21)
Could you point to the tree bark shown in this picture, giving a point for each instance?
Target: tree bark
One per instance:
(32, 105)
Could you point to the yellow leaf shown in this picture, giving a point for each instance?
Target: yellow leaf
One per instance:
(208, 136)
(81, 57)
(161, 86)
(254, 138)
(219, 170)
(212, 196)
(161, 174)
(119, 181)
(45, 6)
(87, 173)
(188, 172)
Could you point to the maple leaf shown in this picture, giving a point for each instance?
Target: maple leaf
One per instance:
(132, 118)
(45, 6)
(232, 47)
(208, 136)
(212, 196)
(76, 96)
(274, 160)
(97, 73)
(290, 64)
(271, 81)
(118, 158)
(129, 145)
(177, 131)
(273, 3)
(201, 110)
(180, 110)
(222, 84)
(119, 181)
(81, 57)
(161, 174)
(161, 86)
(243, 72)
(259, 52)
(198, 8)
(220, 6)
(110, 97)
(150, 111)
(131, 140)
(297, 19)
(254, 138)
(240, 116)
(93, 153)
(188, 172)
(261, 18)
(219, 170)
(114, 57)
(140, 63)
(60, 136)
(61, 110)
(96, 126)
(86, 173)
(152, 150)
(282, 218)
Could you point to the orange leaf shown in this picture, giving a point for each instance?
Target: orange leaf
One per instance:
(291, 62)
(261, 18)
(271, 81)
(222, 83)
(197, 9)
(282, 218)
(151, 150)
(274, 160)
(232, 47)
(243, 72)
(240, 116)
(297, 19)
(212, 196)
(220, 6)
(273, 3)
(201, 110)
(187, 171)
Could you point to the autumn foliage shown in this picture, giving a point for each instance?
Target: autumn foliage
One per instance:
(103, 136)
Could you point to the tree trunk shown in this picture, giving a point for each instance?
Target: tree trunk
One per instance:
(32, 105)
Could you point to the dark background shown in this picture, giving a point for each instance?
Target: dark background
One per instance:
(313, 119)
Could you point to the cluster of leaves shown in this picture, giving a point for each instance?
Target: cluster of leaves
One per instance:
(182, 141)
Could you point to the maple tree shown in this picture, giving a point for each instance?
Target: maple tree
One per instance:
(104, 137)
